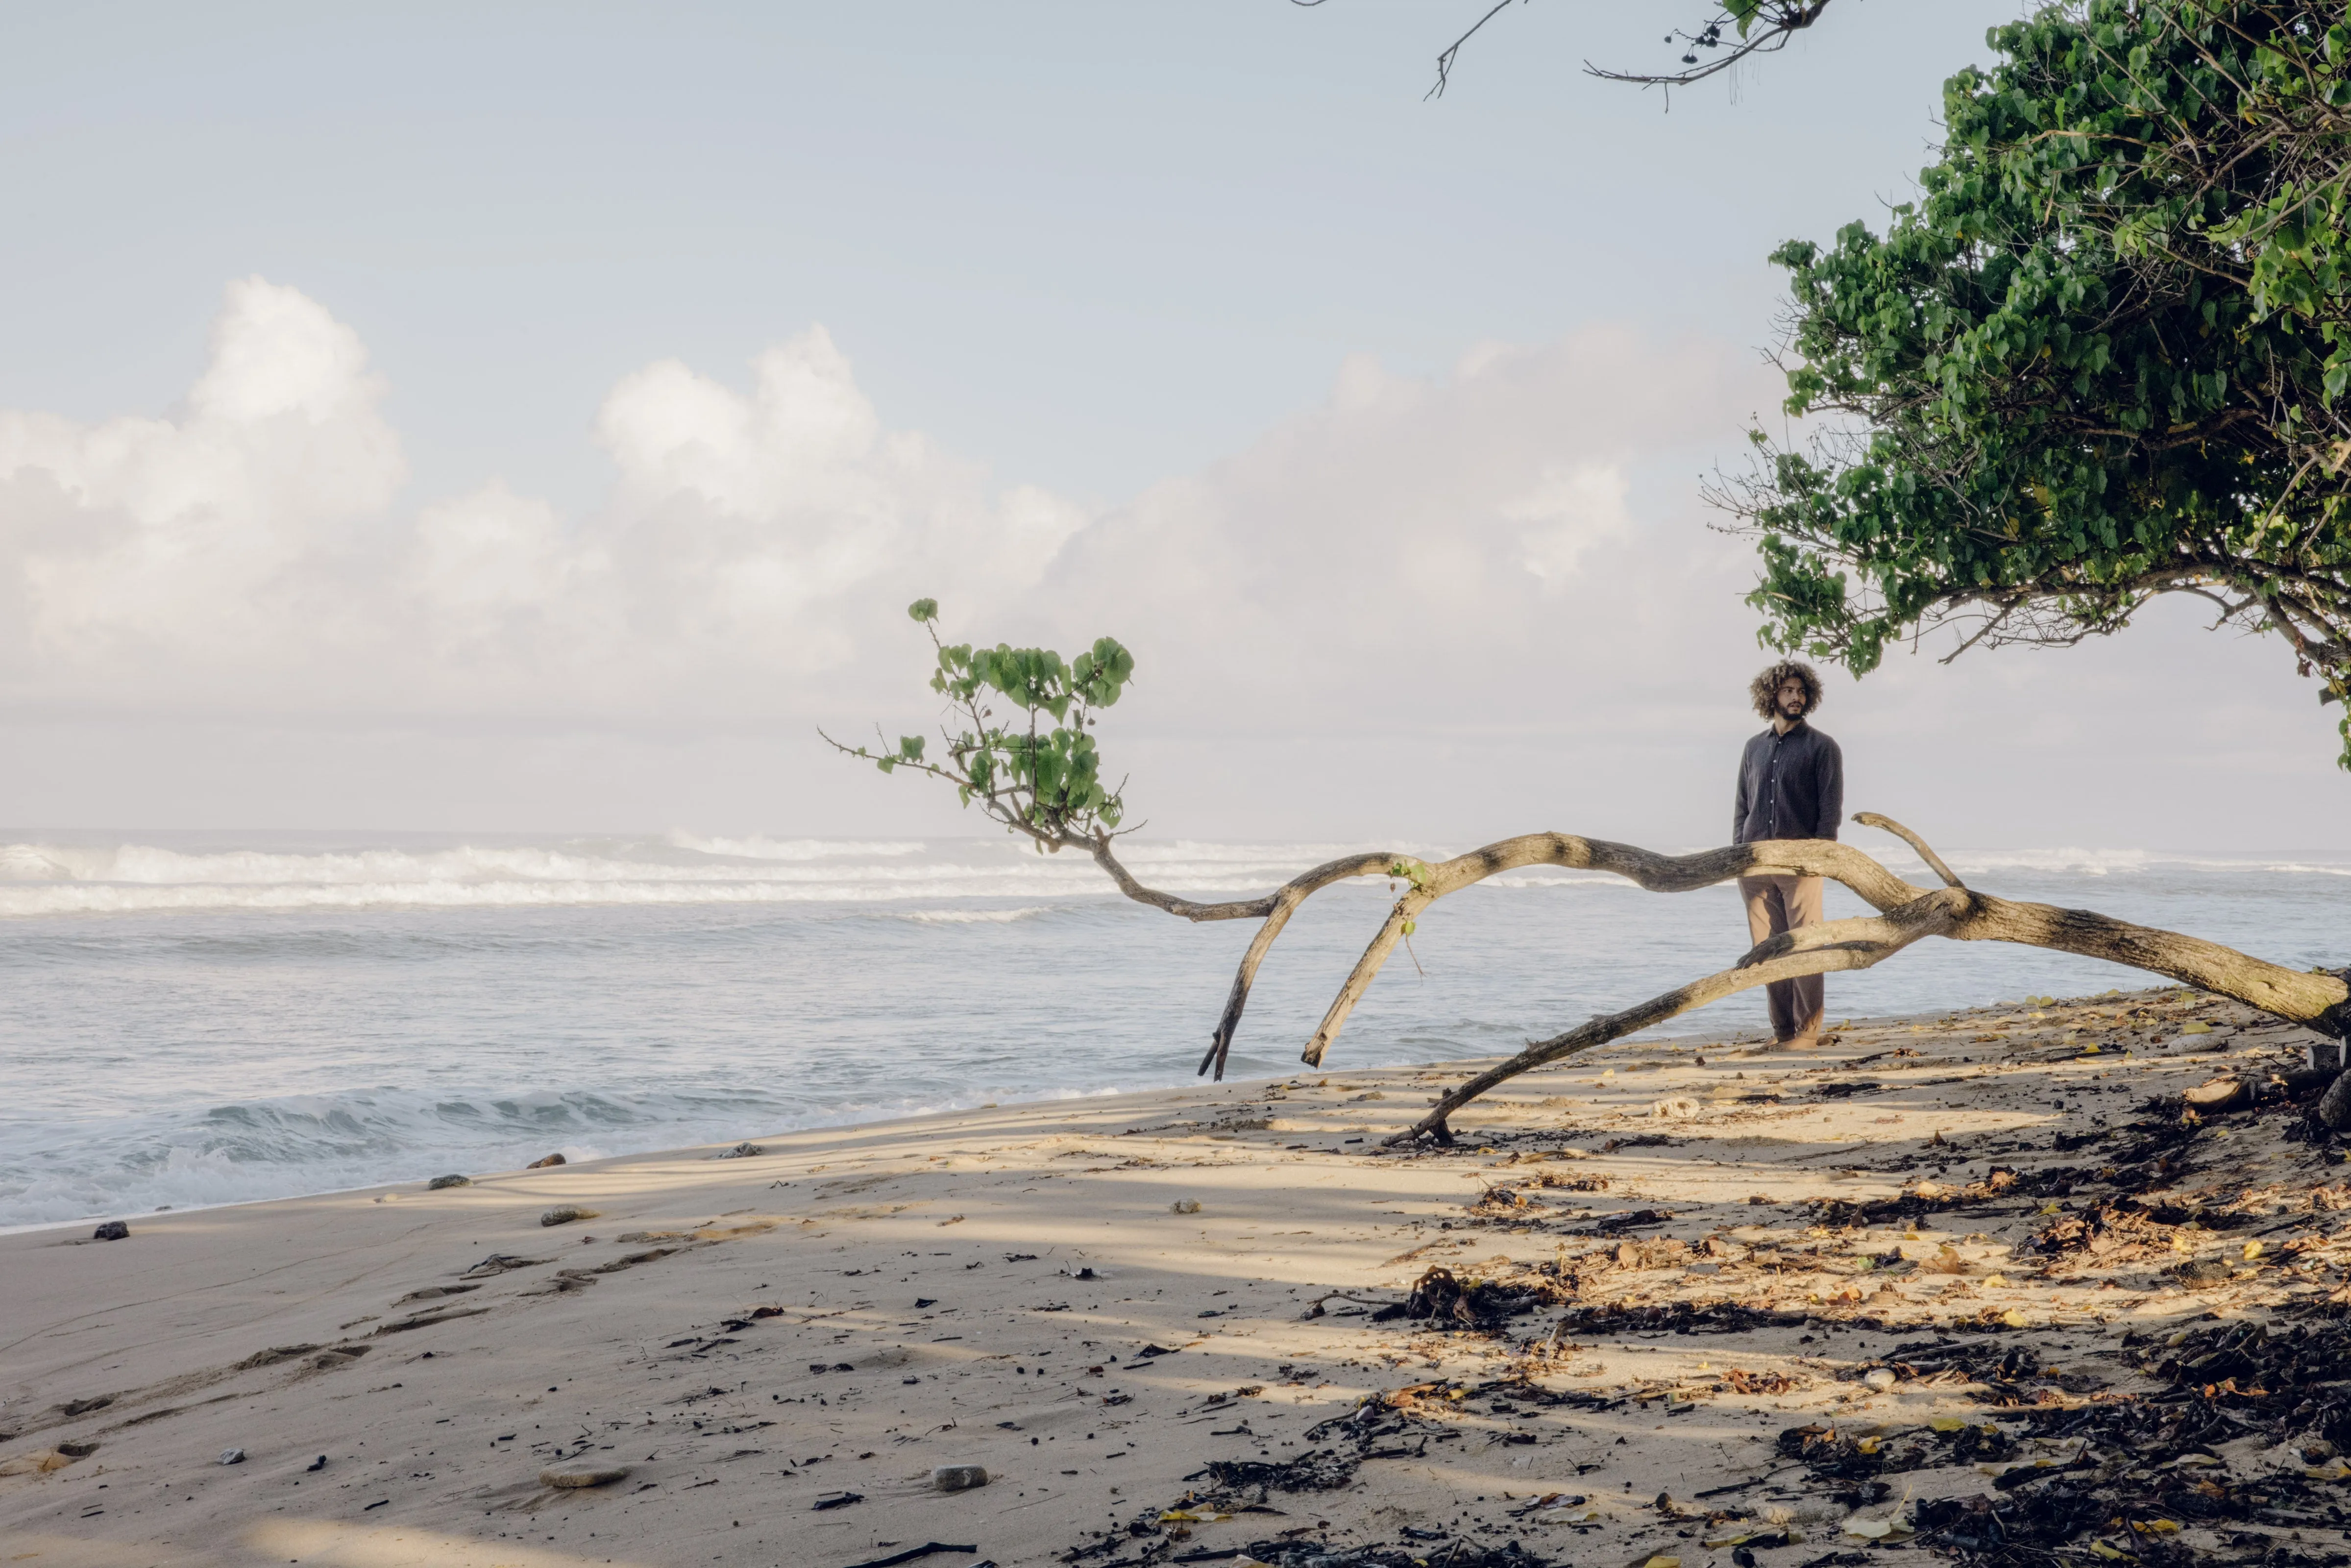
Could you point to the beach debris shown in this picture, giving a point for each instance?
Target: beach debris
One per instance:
(912, 1553)
(1185, 1206)
(565, 1214)
(958, 1477)
(424, 1320)
(579, 1480)
(1495, 1201)
(1449, 1301)
(498, 1263)
(540, 1164)
(2216, 1095)
(314, 1465)
(433, 1292)
(740, 1152)
(38, 1463)
(1675, 1108)
(112, 1230)
(438, 1183)
(1881, 1378)
(836, 1500)
(230, 1456)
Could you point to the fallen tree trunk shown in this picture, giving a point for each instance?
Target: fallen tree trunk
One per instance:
(2318, 1001)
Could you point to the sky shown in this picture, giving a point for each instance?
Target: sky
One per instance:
(535, 419)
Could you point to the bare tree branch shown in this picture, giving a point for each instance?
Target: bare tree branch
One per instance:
(1445, 60)
(1762, 28)
(1833, 945)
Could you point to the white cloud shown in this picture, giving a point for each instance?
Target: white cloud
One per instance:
(1476, 601)
(245, 554)
(141, 536)
(1456, 542)
(1565, 514)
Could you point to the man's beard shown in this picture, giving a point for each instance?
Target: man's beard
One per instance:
(1792, 711)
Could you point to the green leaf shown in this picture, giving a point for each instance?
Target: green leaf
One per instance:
(924, 609)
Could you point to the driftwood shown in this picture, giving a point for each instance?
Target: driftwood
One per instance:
(2319, 1000)
(1043, 785)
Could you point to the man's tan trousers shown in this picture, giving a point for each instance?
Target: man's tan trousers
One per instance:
(1777, 904)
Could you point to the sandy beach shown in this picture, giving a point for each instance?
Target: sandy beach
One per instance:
(1703, 1301)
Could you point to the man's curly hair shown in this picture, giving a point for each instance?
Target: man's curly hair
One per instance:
(1764, 690)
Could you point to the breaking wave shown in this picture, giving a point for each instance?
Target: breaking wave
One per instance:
(51, 877)
(251, 1150)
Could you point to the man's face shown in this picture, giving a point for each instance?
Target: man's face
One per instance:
(1792, 698)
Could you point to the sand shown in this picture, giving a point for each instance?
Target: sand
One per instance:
(1094, 1299)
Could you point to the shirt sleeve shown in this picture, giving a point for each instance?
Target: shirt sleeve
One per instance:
(1739, 798)
(1828, 779)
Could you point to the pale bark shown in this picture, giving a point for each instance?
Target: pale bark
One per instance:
(1826, 948)
(2320, 1000)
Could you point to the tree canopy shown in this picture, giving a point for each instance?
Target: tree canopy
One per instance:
(2101, 358)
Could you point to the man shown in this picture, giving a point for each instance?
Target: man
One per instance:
(1790, 786)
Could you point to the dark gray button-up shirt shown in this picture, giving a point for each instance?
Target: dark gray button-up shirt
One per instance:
(1790, 786)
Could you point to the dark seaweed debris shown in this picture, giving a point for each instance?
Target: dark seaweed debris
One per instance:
(1463, 1554)
(1387, 1426)
(2131, 1474)
(1447, 1302)
(1676, 1317)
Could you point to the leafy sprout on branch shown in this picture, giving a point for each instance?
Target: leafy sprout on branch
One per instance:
(1035, 767)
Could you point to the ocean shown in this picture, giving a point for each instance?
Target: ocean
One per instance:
(196, 1019)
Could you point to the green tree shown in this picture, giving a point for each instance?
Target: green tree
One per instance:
(1036, 769)
(2102, 358)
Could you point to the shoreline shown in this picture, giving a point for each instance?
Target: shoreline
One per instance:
(1461, 1067)
(1647, 1266)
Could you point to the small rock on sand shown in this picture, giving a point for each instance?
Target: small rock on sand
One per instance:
(741, 1152)
(1186, 1206)
(542, 1165)
(958, 1477)
(231, 1456)
(564, 1214)
(438, 1183)
(112, 1230)
(574, 1480)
